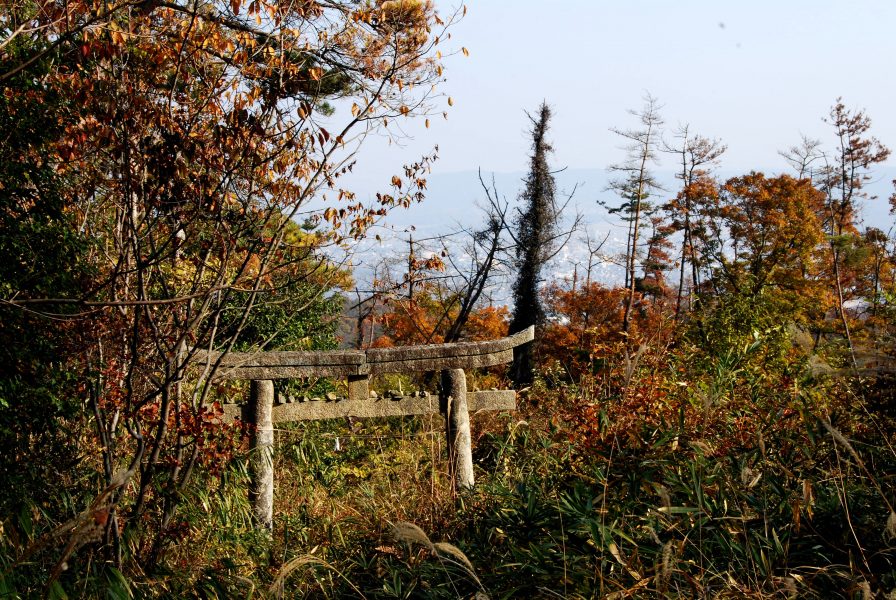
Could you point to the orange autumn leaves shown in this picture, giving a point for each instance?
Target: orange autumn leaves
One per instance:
(426, 318)
(764, 234)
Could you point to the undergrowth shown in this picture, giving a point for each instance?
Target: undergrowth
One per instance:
(749, 479)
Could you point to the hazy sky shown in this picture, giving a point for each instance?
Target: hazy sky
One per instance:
(755, 74)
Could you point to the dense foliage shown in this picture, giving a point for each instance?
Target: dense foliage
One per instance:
(170, 183)
(156, 159)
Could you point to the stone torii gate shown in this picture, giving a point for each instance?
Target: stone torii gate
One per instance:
(356, 366)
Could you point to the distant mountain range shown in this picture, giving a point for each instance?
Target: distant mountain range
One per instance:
(452, 197)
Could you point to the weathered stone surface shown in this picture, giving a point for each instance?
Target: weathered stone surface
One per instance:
(349, 408)
(491, 400)
(356, 366)
(284, 372)
(307, 411)
(358, 387)
(261, 449)
(457, 428)
(317, 359)
(411, 364)
(346, 363)
(445, 351)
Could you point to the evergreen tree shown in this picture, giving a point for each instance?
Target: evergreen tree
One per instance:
(535, 231)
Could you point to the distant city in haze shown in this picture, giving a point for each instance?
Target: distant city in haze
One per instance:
(454, 200)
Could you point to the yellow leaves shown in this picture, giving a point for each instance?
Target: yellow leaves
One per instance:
(426, 123)
(118, 36)
(356, 110)
(362, 16)
(450, 101)
(404, 110)
(408, 12)
(396, 181)
(315, 73)
(247, 40)
(465, 51)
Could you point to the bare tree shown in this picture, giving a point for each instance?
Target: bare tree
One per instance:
(486, 251)
(636, 186)
(192, 152)
(803, 157)
(593, 249)
(697, 155)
